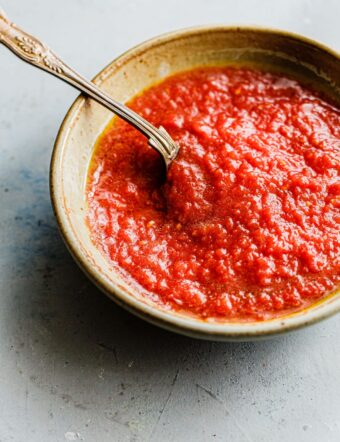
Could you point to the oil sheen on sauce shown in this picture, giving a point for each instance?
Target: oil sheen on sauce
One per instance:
(246, 226)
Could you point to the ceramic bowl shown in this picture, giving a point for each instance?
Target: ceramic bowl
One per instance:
(136, 70)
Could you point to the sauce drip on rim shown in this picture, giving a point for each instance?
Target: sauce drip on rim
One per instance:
(247, 225)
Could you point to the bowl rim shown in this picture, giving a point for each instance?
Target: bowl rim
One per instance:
(194, 327)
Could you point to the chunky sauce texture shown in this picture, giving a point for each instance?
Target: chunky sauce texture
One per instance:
(247, 225)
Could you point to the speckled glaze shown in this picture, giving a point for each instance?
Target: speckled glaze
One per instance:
(136, 70)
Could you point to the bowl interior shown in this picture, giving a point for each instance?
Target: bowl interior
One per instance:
(136, 70)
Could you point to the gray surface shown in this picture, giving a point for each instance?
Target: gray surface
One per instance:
(73, 366)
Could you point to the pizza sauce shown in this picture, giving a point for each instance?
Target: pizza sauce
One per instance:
(246, 226)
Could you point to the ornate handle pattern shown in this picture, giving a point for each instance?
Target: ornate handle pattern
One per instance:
(28, 47)
(33, 51)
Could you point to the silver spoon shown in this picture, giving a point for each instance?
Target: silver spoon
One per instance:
(33, 51)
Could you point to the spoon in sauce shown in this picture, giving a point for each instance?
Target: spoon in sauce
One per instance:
(36, 53)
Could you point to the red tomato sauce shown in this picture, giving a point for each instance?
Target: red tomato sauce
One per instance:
(246, 226)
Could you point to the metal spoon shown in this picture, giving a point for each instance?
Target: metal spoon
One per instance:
(33, 51)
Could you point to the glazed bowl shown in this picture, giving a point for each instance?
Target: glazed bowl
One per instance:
(129, 74)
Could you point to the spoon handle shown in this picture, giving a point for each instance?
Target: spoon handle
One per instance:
(36, 53)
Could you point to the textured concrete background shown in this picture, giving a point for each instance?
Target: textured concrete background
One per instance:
(73, 366)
